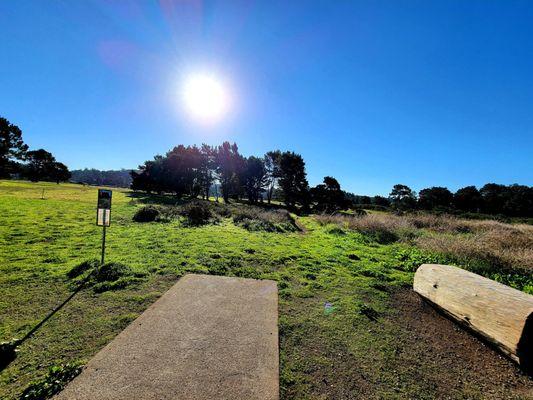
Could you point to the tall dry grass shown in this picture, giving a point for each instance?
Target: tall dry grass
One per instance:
(500, 245)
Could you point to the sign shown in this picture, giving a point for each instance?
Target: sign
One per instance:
(103, 217)
(104, 199)
(103, 213)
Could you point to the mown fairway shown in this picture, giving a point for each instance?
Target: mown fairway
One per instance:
(357, 348)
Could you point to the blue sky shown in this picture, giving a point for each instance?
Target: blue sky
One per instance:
(372, 92)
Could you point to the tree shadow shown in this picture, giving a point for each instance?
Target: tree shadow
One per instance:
(152, 198)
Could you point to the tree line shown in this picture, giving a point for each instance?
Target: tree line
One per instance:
(194, 171)
(16, 160)
(117, 178)
(492, 198)
(221, 170)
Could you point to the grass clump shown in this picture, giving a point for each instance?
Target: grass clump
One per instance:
(55, 380)
(112, 271)
(198, 213)
(257, 219)
(110, 276)
(147, 214)
(82, 267)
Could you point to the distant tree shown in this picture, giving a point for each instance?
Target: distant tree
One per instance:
(272, 160)
(39, 165)
(380, 201)
(182, 167)
(364, 199)
(254, 178)
(468, 199)
(328, 196)
(151, 176)
(518, 201)
(293, 179)
(118, 178)
(435, 197)
(59, 172)
(42, 166)
(229, 166)
(12, 148)
(494, 197)
(402, 197)
(207, 173)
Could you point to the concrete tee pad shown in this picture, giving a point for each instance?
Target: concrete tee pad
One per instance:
(207, 337)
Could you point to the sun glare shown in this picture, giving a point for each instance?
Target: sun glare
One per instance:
(206, 99)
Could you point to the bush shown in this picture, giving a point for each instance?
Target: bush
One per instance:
(147, 214)
(256, 219)
(198, 213)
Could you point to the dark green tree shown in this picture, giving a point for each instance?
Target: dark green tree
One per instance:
(328, 196)
(12, 148)
(182, 166)
(59, 172)
(402, 197)
(229, 166)
(151, 176)
(293, 180)
(254, 178)
(272, 160)
(494, 198)
(380, 201)
(519, 201)
(435, 197)
(207, 172)
(42, 166)
(468, 199)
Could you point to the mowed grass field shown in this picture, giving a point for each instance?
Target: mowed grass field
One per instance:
(359, 346)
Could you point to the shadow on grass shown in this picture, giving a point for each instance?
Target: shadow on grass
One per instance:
(152, 198)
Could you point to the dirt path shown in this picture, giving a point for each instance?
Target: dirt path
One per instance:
(461, 363)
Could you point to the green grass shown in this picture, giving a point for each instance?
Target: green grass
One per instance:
(43, 239)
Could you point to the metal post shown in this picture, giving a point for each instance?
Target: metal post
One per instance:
(103, 238)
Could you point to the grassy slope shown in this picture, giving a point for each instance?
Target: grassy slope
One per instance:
(43, 239)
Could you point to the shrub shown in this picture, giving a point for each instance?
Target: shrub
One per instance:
(147, 214)
(256, 219)
(198, 213)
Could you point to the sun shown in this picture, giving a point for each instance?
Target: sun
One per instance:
(205, 98)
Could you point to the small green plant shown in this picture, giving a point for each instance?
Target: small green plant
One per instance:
(411, 258)
(55, 380)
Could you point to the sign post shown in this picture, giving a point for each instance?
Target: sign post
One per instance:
(103, 215)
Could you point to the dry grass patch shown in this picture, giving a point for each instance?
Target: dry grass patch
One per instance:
(489, 247)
